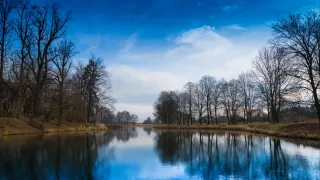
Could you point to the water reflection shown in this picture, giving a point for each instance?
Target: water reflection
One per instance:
(148, 130)
(67, 156)
(142, 153)
(227, 155)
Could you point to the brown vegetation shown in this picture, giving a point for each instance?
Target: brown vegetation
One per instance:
(16, 126)
(306, 130)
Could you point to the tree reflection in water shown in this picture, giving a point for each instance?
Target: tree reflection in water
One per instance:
(64, 156)
(227, 155)
(148, 130)
(182, 155)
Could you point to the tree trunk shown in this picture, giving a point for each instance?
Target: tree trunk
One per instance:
(60, 102)
(89, 108)
(316, 100)
(208, 111)
(244, 116)
(215, 114)
(2, 64)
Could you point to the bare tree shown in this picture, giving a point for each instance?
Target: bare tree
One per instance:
(230, 99)
(243, 80)
(275, 85)
(48, 25)
(248, 94)
(36, 71)
(62, 64)
(134, 119)
(6, 21)
(178, 100)
(184, 100)
(189, 89)
(216, 95)
(79, 93)
(199, 100)
(299, 35)
(207, 83)
(252, 97)
(97, 85)
(22, 29)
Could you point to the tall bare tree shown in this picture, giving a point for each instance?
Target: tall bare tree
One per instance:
(276, 86)
(48, 25)
(215, 98)
(248, 94)
(199, 100)
(230, 93)
(299, 35)
(96, 80)
(207, 83)
(62, 64)
(22, 29)
(6, 35)
(189, 89)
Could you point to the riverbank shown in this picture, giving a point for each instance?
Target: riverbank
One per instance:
(21, 126)
(307, 130)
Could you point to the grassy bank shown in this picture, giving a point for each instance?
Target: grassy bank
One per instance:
(17, 126)
(310, 130)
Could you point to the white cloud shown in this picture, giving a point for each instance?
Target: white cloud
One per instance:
(204, 51)
(137, 89)
(194, 53)
(139, 81)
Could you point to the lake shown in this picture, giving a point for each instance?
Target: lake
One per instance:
(143, 153)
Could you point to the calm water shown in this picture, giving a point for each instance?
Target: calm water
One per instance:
(141, 153)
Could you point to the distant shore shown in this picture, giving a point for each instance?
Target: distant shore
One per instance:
(307, 130)
(20, 126)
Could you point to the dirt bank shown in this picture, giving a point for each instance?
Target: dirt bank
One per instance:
(19, 126)
(310, 130)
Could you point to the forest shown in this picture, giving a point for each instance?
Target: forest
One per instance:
(282, 85)
(39, 76)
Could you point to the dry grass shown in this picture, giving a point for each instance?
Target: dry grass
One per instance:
(309, 130)
(15, 126)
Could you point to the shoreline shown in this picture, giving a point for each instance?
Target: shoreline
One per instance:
(51, 131)
(304, 131)
(45, 133)
(18, 126)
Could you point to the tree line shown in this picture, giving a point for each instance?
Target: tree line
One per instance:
(285, 74)
(38, 74)
(122, 117)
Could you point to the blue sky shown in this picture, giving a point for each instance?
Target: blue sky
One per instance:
(154, 45)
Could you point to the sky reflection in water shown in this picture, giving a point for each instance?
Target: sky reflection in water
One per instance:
(145, 154)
